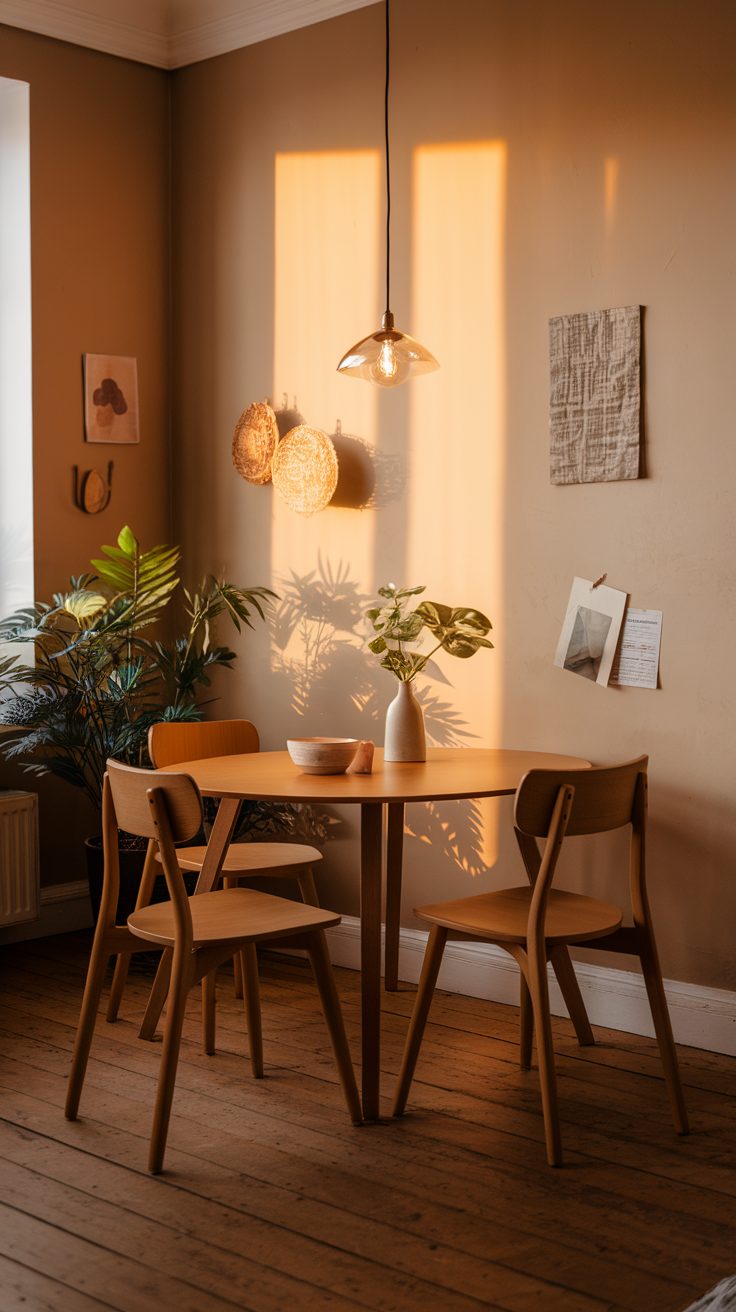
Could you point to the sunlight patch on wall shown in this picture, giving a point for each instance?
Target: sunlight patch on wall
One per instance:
(457, 416)
(611, 166)
(327, 289)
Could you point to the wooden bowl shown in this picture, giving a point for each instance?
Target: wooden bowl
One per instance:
(322, 755)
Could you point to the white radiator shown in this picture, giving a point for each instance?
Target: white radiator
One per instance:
(19, 869)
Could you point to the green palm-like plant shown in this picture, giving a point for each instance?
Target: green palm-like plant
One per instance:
(97, 680)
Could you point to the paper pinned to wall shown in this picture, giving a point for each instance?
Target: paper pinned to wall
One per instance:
(637, 661)
(590, 630)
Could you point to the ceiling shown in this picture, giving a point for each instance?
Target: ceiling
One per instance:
(169, 33)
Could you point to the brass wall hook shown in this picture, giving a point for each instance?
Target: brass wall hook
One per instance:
(91, 492)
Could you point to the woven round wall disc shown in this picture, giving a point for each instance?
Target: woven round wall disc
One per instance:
(254, 441)
(304, 469)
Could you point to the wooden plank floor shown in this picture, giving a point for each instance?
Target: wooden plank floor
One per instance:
(271, 1200)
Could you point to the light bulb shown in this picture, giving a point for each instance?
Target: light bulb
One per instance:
(387, 363)
(388, 369)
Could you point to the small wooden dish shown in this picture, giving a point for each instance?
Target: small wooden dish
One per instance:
(322, 755)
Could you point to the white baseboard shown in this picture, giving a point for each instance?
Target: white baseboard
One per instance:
(64, 908)
(701, 1017)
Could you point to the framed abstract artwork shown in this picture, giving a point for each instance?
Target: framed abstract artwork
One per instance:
(111, 398)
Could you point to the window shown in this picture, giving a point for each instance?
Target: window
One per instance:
(16, 430)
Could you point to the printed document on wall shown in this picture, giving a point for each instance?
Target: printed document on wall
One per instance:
(637, 661)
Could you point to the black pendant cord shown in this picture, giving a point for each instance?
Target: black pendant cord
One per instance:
(388, 172)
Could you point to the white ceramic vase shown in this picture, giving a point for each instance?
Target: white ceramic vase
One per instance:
(405, 740)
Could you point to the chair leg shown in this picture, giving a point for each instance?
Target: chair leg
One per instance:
(663, 1030)
(231, 881)
(122, 961)
(238, 976)
(157, 997)
(248, 958)
(526, 1024)
(182, 975)
(536, 965)
(117, 988)
(307, 887)
(209, 1012)
(322, 967)
(568, 982)
(427, 981)
(85, 1029)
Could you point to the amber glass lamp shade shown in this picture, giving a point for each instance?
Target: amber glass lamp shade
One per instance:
(387, 357)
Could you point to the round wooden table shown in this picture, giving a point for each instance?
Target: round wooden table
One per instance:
(447, 774)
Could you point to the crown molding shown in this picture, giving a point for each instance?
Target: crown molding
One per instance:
(256, 20)
(68, 22)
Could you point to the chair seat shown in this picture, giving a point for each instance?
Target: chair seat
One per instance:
(503, 916)
(231, 915)
(252, 858)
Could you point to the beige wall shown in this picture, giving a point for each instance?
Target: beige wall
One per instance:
(547, 158)
(100, 243)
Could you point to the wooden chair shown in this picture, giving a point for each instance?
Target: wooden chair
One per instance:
(168, 743)
(201, 931)
(536, 923)
(172, 741)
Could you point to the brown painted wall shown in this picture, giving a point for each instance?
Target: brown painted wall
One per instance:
(100, 269)
(547, 158)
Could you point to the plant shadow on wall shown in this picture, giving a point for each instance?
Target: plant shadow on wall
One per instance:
(318, 651)
(453, 828)
(330, 679)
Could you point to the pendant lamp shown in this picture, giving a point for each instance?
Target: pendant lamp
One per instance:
(388, 357)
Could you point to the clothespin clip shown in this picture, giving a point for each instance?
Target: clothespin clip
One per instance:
(598, 582)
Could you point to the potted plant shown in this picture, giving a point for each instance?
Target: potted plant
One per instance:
(103, 672)
(398, 626)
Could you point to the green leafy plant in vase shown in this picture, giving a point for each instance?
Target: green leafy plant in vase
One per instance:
(398, 626)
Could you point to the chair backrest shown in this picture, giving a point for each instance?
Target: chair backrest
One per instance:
(130, 788)
(605, 797)
(170, 741)
(163, 807)
(555, 804)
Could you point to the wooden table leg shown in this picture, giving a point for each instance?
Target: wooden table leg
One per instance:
(371, 834)
(394, 858)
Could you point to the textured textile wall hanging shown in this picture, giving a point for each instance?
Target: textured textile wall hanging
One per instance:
(304, 469)
(595, 394)
(255, 439)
